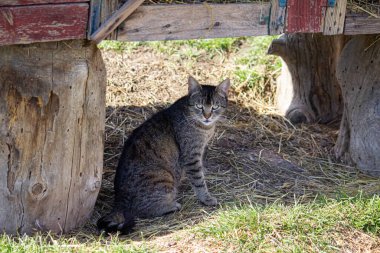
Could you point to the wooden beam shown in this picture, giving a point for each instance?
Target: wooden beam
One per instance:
(100, 11)
(361, 24)
(305, 16)
(94, 19)
(334, 18)
(277, 18)
(39, 23)
(177, 22)
(31, 2)
(115, 20)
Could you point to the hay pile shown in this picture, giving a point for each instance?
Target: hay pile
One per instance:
(370, 7)
(256, 156)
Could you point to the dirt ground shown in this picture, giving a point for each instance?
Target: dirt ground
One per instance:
(256, 156)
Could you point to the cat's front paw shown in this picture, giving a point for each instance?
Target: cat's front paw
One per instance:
(209, 201)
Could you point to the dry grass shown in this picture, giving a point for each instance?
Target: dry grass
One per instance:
(371, 7)
(256, 156)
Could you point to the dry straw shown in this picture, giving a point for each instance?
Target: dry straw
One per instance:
(371, 7)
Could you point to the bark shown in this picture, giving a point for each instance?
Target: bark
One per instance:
(358, 73)
(307, 89)
(52, 108)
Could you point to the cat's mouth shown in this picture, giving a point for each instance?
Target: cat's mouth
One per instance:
(207, 122)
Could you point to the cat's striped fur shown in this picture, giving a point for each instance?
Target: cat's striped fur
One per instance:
(160, 151)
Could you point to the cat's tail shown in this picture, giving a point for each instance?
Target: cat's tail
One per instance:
(117, 221)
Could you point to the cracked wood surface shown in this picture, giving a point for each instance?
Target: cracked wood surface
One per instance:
(307, 89)
(358, 72)
(51, 135)
(305, 16)
(177, 22)
(40, 23)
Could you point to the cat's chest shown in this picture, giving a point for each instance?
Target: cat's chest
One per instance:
(205, 135)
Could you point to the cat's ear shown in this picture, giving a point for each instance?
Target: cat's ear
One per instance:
(224, 86)
(194, 86)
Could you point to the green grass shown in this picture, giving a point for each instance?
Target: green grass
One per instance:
(254, 70)
(171, 47)
(309, 227)
(296, 228)
(47, 243)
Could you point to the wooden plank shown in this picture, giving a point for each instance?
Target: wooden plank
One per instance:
(100, 11)
(277, 18)
(305, 15)
(115, 20)
(107, 9)
(361, 24)
(31, 2)
(334, 19)
(39, 23)
(157, 22)
(94, 19)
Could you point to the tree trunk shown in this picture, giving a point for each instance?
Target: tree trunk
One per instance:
(307, 89)
(52, 108)
(358, 73)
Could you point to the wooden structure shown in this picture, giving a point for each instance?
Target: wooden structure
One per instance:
(51, 135)
(28, 21)
(52, 93)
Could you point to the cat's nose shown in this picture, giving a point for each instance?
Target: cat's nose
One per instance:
(207, 115)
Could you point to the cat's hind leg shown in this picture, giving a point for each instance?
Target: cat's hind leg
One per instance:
(121, 221)
(157, 203)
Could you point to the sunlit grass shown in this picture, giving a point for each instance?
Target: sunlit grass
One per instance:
(254, 70)
(293, 228)
(49, 243)
(307, 227)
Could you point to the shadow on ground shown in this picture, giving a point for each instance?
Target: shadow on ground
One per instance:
(252, 159)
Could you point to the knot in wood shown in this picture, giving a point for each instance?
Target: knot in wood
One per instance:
(97, 184)
(38, 190)
(93, 184)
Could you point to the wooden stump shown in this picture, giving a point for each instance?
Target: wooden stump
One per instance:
(52, 108)
(358, 72)
(307, 89)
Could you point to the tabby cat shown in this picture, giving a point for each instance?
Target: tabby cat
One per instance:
(160, 151)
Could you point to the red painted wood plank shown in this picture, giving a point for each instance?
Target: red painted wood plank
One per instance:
(39, 23)
(30, 2)
(305, 15)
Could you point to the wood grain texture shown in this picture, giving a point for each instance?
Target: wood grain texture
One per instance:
(305, 16)
(358, 73)
(94, 17)
(277, 18)
(39, 23)
(361, 24)
(334, 18)
(31, 2)
(115, 20)
(194, 22)
(52, 108)
(307, 89)
(101, 10)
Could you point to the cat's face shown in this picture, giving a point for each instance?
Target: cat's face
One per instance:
(207, 103)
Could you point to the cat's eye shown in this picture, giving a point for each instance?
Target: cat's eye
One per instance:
(215, 107)
(199, 106)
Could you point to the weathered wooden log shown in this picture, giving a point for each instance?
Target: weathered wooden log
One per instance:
(307, 89)
(52, 108)
(358, 73)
